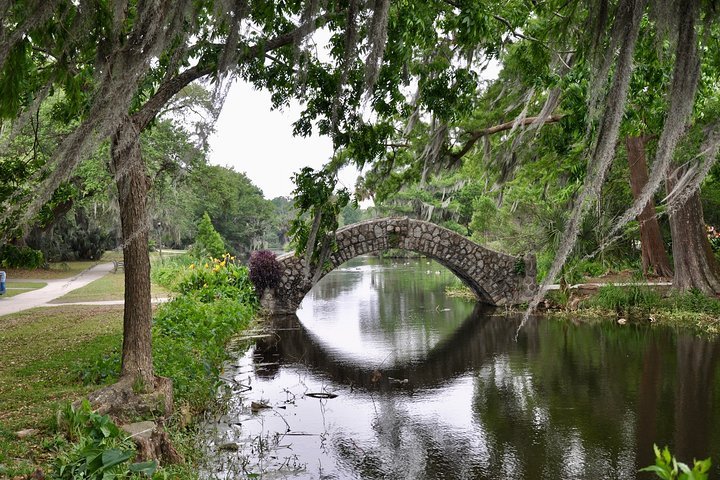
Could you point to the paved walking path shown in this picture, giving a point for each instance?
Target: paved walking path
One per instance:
(54, 289)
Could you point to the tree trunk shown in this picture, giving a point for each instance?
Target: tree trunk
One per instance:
(132, 185)
(695, 264)
(654, 255)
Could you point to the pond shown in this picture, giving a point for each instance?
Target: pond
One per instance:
(382, 375)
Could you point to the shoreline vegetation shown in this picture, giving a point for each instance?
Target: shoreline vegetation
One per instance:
(636, 303)
(61, 354)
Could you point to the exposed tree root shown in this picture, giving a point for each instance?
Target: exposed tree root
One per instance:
(123, 401)
(158, 447)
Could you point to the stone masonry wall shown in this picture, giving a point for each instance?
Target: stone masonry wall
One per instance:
(495, 278)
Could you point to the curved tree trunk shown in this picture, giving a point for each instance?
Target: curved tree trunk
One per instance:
(132, 184)
(654, 256)
(695, 264)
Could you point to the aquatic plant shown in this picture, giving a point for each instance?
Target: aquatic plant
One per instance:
(668, 468)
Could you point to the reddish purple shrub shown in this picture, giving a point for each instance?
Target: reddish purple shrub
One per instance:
(265, 270)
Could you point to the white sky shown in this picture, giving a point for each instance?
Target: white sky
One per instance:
(252, 138)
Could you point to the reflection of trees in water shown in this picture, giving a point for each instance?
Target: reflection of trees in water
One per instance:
(694, 415)
(409, 448)
(565, 401)
(401, 288)
(594, 399)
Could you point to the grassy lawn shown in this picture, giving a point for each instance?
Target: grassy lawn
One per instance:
(55, 271)
(70, 269)
(109, 287)
(40, 348)
(16, 288)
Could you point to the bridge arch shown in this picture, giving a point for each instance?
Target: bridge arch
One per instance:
(494, 277)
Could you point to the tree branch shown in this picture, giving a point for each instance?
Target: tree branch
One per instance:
(168, 89)
(172, 86)
(514, 33)
(478, 134)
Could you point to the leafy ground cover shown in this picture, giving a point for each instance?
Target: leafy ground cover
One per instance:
(635, 303)
(40, 349)
(640, 303)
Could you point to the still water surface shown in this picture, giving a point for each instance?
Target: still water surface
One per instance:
(432, 387)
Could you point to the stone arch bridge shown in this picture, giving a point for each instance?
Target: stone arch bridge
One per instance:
(494, 277)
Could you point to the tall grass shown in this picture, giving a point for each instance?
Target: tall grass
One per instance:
(644, 298)
(614, 297)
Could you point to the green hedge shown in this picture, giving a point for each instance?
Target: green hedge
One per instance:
(12, 256)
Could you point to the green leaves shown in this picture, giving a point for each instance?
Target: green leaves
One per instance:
(101, 451)
(318, 205)
(145, 468)
(208, 241)
(190, 332)
(668, 468)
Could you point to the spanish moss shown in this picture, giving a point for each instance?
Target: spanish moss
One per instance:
(348, 60)
(377, 40)
(630, 13)
(681, 98)
(41, 10)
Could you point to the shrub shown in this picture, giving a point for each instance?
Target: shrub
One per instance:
(12, 256)
(190, 341)
(208, 241)
(216, 300)
(171, 270)
(265, 270)
(217, 278)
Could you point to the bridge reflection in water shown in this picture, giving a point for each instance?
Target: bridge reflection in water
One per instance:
(480, 337)
(565, 401)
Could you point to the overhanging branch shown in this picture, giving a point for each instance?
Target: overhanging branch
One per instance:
(171, 86)
(478, 134)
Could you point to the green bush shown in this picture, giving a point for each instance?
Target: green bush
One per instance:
(208, 241)
(171, 270)
(217, 278)
(12, 256)
(190, 333)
